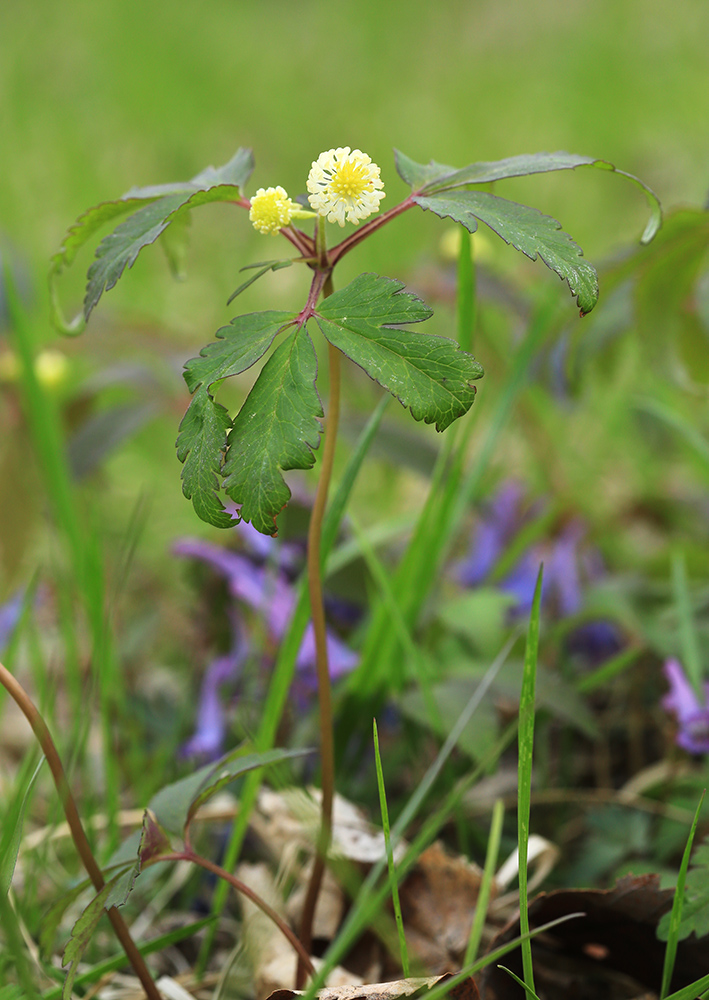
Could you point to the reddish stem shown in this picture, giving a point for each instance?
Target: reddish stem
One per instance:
(44, 737)
(245, 890)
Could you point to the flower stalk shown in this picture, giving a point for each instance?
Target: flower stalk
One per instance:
(314, 570)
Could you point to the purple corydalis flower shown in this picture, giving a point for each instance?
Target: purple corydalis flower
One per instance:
(492, 535)
(257, 579)
(264, 591)
(210, 731)
(692, 717)
(568, 565)
(10, 613)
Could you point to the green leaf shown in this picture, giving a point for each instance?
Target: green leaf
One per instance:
(429, 375)
(276, 429)
(52, 918)
(82, 933)
(536, 235)
(175, 805)
(200, 445)
(202, 439)
(169, 203)
(118, 961)
(437, 177)
(11, 838)
(238, 346)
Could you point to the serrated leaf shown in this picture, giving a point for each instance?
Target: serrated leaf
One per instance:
(236, 172)
(276, 429)
(122, 887)
(437, 177)
(430, 375)
(203, 431)
(213, 184)
(120, 248)
(238, 346)
(200, 445)
(52, 918)
(536, 235)
(174, 805)
(82, 933)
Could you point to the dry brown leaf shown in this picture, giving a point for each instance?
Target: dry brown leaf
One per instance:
(467, 990)
(610, 952)
(438, 900)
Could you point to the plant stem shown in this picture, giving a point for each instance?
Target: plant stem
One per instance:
(44, 738)
(245, 890)
(327, 749)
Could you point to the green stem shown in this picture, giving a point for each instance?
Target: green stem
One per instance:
(327, 748)
(44, 738)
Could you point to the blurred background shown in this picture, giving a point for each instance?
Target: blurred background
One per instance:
(594, 458)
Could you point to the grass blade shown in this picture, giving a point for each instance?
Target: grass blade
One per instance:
(677, 904)
(493, 849)
(524, 777)
(691, 657)
(530, 993)
(390, 855)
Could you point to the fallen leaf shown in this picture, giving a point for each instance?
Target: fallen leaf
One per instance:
(611, 952)
(438, 899)
(466, 990)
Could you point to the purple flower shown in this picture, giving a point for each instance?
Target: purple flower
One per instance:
(492, 536)
(10, 613)
(692, 717)
(259, 579)
(568, 565)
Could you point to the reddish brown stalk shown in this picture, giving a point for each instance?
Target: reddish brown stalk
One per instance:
(327, 749)
(367, 229)
(245, 890)
(44, 738)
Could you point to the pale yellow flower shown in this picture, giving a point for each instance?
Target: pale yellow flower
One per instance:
(345, 185)
(271, 209)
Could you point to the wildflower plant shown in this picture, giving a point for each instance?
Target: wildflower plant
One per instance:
(239, 459)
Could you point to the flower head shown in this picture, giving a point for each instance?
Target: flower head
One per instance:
(344, 184)
(271, 209)
(692, 717)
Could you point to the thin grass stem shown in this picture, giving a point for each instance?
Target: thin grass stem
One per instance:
(692, 660)
(493, 849)
(396, 902)
(677, 905)
(524, 776)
